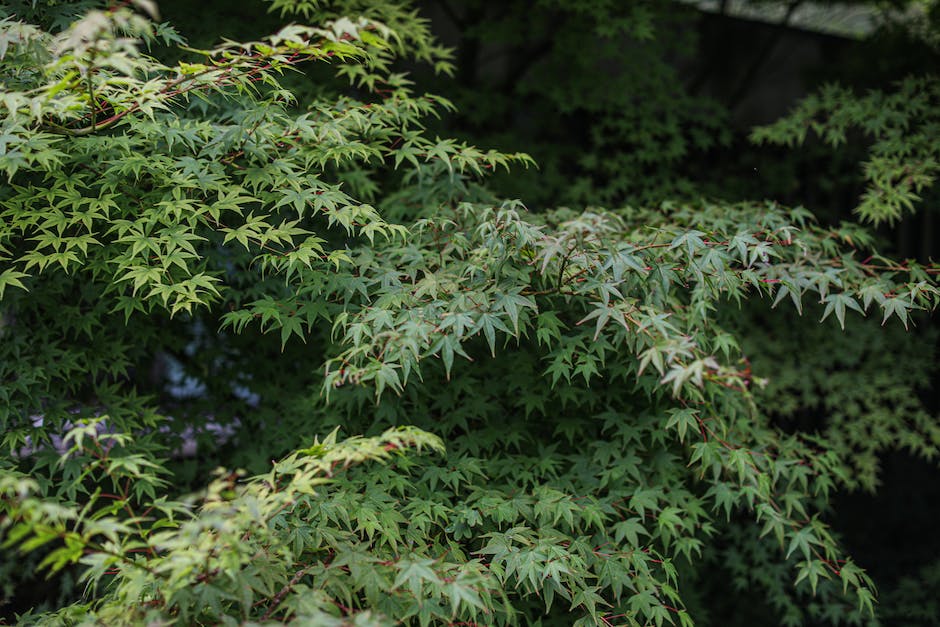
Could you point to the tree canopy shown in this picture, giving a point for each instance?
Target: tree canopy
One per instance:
(278, 344)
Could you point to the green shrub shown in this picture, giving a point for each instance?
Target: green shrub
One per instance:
(559, 424)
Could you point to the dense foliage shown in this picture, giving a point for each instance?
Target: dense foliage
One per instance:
(432, 405)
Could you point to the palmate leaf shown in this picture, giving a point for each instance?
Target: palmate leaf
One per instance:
(11, 278)
(839, 303)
